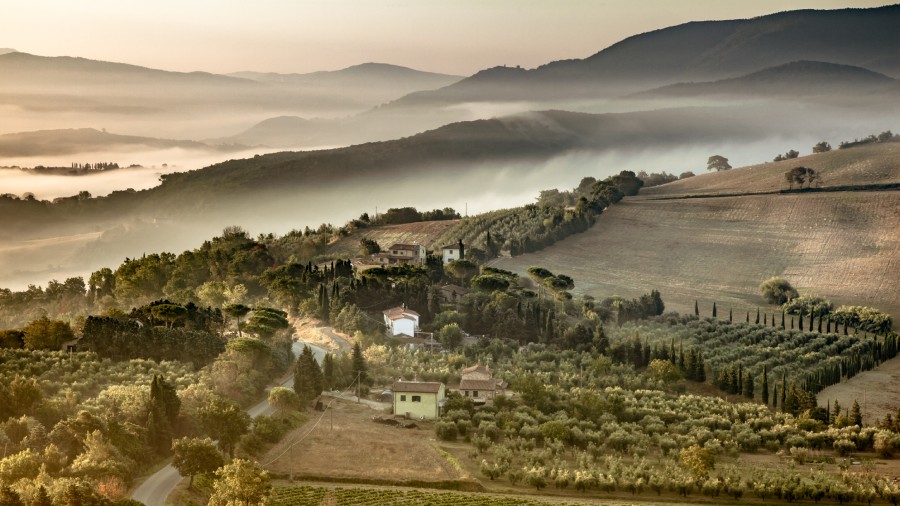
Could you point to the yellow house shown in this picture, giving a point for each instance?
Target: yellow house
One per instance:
(418, 399)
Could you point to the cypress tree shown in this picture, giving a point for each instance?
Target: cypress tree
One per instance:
(828, 326)
(783, 390)
(757, 316)
(799, 320)
(820, 324)
(775, 397)
(360, 369)
(714, 310)
(696, 308)
(810, 327)
(748, 386)
(855, 414)
(764, 391)
(730, 319)
(748, 316)
(700, 372)
(782, 320)
(792, 323)
(328, 372)
(765, 318)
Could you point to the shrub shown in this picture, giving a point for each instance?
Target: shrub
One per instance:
(844, 447)
(777, 290)
(445, 431)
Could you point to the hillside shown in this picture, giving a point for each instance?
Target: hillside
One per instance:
(382, 77)
(694, 51)
(80, 140)
(801, 79)
(424, 233)
(841, 245)
(869, 164)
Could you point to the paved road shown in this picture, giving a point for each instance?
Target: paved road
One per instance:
(156, 489)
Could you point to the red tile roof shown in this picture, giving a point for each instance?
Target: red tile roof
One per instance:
(484, 385)
(427, 387)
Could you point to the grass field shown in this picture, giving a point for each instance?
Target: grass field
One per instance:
(842, 245)
(347, 444)
(877, 391)
(871, 164)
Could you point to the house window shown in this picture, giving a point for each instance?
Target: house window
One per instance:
(402, 398)
(417, 398)
(475, 393)
(467, 392)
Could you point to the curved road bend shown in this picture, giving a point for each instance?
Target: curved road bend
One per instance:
(156, 488)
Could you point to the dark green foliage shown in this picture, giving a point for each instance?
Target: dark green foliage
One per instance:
(360, 370)
(764, 389)
(126, 338)
(369, 246)
(855, 414)
(225, 422)
(395, 216)
(776, 290)
(308, 379)
(165, 407)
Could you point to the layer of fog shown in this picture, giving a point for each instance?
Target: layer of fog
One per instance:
(153, 164)
(472, 190)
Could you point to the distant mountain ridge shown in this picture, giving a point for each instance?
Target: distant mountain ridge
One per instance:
(696, 51)
(380, 72)
(72, 141)
(800, 77)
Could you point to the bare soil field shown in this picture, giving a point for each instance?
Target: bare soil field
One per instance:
(423, 232)
(871, 164)
(877, 391)
(842, 245)
(358, 448)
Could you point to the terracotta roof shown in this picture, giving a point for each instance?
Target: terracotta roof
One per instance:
(477, 368)
(470, 384)
(451, 246)
(404, 247)
(401, 317)
(427, 387)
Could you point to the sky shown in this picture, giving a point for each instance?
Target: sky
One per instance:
(449, 36)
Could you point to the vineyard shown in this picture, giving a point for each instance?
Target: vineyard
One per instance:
(737, 354)
(314, 496)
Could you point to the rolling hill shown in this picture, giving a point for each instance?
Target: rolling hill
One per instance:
(800, 79)
(696, 51)
(841, 245)
(80, 140)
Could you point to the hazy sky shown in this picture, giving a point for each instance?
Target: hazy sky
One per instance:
(452, 36)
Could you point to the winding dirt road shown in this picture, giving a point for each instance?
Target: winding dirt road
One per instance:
(156, 489)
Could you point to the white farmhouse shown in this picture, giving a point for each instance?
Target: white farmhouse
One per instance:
(401, 321)
(452, 252)
(402, 254)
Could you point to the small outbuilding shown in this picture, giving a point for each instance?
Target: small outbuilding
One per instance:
(418, 399)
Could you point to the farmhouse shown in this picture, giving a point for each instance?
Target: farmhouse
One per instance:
(418, 399)
(479, 384)
(401, 321)
(453, 252)
(402, 254)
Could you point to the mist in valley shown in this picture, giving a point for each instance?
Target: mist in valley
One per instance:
(81, 248)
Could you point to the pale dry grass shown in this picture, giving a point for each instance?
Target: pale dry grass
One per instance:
(877, 391)
(844, 246)
(359, 448)
(873, 164)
